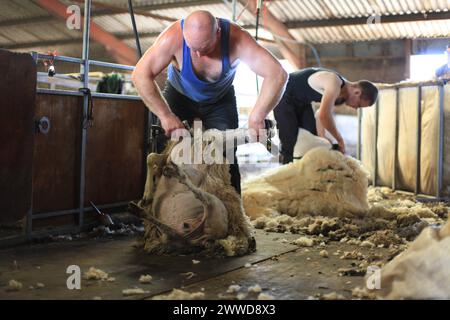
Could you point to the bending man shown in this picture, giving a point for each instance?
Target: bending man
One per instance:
(202, 53)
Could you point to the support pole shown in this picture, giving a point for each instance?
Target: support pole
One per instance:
(440, 156)
(394, 163)
(419, 139)
(84, 70)
(358, 146)
(375, 149)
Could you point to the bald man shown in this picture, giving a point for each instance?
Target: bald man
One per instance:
(202, 53)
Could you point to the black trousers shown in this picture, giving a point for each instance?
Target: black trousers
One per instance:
(291, 115)
(221, 115)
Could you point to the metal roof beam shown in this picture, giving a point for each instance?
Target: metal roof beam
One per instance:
(289, 24)
(106, 10)
(121, 52)
(61, 42)
(292, 51)
(20, 21)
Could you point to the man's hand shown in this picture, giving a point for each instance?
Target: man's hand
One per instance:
(341, 145)
(255, 124)
(170, 122)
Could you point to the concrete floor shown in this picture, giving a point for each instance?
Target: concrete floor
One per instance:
(283, 270)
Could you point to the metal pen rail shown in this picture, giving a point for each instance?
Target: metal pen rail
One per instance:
(85, 64)
(440, 84)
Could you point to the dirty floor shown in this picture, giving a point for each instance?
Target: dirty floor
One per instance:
(281, 269)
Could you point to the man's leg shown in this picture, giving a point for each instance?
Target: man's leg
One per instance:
(307, 119)
(223, 115)
(287, 124)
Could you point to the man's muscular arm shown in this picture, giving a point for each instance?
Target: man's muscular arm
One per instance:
(152, 63)
(331, 90)
(264, 64)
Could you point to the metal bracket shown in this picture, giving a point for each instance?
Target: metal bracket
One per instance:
(43, 125)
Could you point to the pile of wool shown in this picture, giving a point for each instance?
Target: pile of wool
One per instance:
(133, 292)
(265, 296)
(231, 246)
(95, 274)
(390, 209)
(145, 278)
(389, 204)
(178, 294)
(324, 182)
(14, 285)
(422, 271)
(392, 219)
(375, 194)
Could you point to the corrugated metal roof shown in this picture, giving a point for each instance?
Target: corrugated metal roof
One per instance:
(288, 10)
(385, 31)
(47, 29)
(15, 9)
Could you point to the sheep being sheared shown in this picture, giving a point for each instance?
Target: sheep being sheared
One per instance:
(193, 206)
(323, 182)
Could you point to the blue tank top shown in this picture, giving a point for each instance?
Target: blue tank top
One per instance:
(186, 81)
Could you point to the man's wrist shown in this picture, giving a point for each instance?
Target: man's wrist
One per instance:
(165, 114)
(257, 116)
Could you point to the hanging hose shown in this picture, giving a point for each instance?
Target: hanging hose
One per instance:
(258, 11)
(284, 39)
(152, 118)
(133, 23)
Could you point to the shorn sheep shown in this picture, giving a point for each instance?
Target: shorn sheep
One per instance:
(193, 207)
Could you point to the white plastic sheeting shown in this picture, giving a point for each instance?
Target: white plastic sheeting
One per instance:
(407, 138)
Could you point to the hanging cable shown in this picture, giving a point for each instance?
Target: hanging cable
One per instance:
(258, 12)
(242, 11)
(284, 39)
(152, 119)
(133, 23)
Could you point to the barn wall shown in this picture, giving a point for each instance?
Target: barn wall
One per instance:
(381, 61)
(16, 134)
(378, 61)
(114, 154)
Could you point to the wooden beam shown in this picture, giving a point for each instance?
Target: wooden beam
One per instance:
(78, 40)
(121, 52)
(293, 52)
